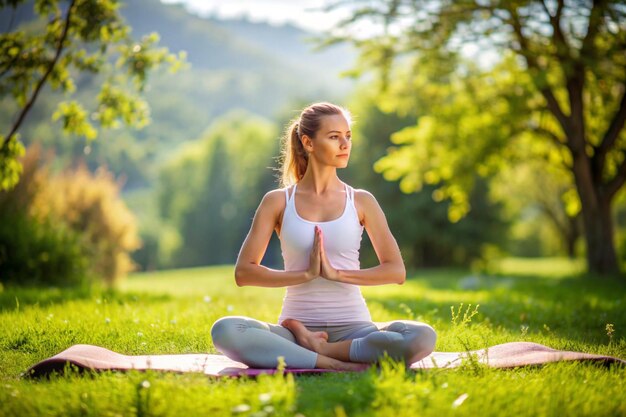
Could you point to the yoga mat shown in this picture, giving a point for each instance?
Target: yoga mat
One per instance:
(89, 357)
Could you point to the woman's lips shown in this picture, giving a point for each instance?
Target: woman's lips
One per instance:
(345, 155)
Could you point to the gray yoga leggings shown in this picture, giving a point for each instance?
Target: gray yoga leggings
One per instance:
(259, 344)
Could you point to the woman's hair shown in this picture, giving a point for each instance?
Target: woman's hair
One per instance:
(293, 157)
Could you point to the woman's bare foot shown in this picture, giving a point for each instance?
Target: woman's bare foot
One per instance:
(318, 342)
(324, 362)
(314, 341)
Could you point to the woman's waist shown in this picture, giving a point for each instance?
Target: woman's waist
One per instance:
(317, 313)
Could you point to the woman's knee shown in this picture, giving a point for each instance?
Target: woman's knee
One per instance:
(422, 342)
(226, 331)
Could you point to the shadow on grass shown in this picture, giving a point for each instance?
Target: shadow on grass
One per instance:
(576, 308)
(14, 298)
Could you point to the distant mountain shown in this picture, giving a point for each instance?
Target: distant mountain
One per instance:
(218, 44)
(234, 64)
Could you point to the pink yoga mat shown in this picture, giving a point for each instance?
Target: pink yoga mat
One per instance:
(89, 357)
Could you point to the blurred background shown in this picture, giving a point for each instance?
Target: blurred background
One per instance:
(485, 131)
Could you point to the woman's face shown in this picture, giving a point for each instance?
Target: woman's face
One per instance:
(332, 142)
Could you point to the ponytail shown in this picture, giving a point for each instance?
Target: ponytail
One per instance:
(294, 157)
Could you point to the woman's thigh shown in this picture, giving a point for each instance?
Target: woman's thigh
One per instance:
(398, 326)
(242, 323)
(394, 324)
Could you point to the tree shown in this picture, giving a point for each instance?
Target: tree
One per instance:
(553, 204)
(425, 237)
(68, 38)
(565, 86)
(210, 190)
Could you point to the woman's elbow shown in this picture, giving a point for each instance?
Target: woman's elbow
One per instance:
(240, 276)
(401, 276)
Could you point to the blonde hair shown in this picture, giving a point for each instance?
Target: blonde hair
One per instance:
(294, 158)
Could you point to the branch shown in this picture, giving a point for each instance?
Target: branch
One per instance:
(545, 7)
(595, 16)
(546, 91)
(613, 186)
(544, 206)
(559, 9)
(611, 135)
(43, 79)
(548, 133)
(9, 65)
(563, 48)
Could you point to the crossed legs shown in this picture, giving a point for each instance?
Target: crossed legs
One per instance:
(402, 340)
(259, 344)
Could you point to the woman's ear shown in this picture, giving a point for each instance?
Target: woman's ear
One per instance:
(307, 143)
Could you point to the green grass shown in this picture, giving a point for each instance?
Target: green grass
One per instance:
(172, 312)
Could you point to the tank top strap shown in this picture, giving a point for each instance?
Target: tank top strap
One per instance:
(351, 200)
(289, 198)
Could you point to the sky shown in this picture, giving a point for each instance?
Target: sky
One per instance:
(305, 14)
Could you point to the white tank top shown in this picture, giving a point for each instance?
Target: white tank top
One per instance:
(320, 300)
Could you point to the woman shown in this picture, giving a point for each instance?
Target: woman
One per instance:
(324, 321)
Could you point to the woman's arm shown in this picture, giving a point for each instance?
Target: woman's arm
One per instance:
(391, 269)
(248, 270)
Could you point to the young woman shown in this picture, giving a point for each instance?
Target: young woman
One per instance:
(324, 321)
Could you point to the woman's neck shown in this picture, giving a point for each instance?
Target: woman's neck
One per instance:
(319, 180)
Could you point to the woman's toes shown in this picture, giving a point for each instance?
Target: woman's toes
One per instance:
(321, 335)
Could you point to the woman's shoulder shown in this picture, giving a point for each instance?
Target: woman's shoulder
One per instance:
(363, 196)
(275, 198)
(365, 203)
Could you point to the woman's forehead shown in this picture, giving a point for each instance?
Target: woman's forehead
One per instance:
(334, 122)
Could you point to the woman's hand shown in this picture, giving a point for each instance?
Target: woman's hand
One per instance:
(315, 263)
(326, 269)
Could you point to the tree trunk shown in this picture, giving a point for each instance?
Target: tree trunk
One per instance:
(598, 224)
(601, 255)
(572, 235)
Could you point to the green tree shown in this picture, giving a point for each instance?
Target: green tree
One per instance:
(70, 38)
(562, 79)
(419, 224)
(209, 192)
(544, 195)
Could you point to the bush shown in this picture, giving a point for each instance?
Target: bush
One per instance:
(90, 205)
(34, 248)
(38, 253)
(64, 228)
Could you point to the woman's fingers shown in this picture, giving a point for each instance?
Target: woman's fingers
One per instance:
(326, 269)
(315, 267)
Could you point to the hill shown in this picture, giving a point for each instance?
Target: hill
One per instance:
(234, 64)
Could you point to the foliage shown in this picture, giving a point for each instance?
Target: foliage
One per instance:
(65, 227)
(545, 205)
(89, 204)
(66, 39)
(40, 253)
(419, 224)
(209, 192)
(235, 66)
(170, 312)
(34, 248)
(561, 80)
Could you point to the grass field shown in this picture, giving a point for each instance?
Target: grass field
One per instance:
(172, 312)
